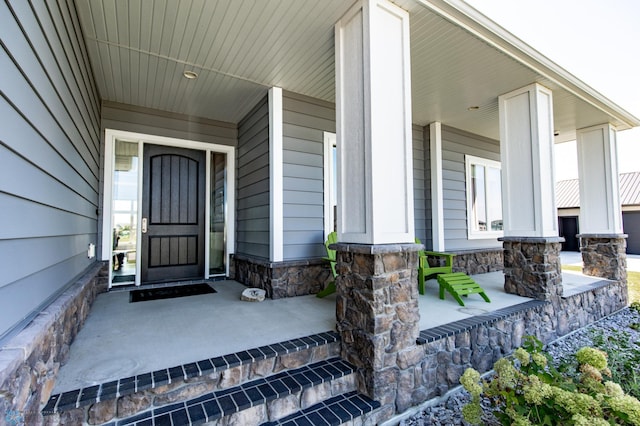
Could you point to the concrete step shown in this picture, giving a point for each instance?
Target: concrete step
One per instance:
(347, 409)
(132, 395)
(302, 393)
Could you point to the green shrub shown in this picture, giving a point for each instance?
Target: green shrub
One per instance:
(623, 355)
(526, 389)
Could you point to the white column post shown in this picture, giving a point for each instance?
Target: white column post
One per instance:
(437, 194)
(531, 242)
(526, 151)
(373, 102)
(600, 209)
(275, 175)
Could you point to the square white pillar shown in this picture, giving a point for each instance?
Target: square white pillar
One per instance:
(373, 108)
(600, 209)
(276, 177)
(526, 151)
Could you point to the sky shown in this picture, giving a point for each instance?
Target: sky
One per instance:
(597, 41)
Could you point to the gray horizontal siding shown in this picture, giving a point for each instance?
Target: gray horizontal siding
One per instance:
(455, 144)
(49, 156)
(305, 121)
(252, 189)
(148, 121)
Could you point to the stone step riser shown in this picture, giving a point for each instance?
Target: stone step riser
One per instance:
(256, 402)
(279, 408)
(351, 409)
(182, 386)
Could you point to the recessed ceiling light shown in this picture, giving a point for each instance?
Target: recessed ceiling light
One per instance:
(473, 108)
(190, 75)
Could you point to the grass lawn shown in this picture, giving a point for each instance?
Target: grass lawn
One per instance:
(633, 281)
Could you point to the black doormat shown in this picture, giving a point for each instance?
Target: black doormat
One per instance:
(123, 278)
(169, 292)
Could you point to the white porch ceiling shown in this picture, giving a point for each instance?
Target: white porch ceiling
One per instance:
(140, 48)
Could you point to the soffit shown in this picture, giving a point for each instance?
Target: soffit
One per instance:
(240, 48)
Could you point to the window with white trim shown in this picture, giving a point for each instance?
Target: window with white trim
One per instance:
(484, 198)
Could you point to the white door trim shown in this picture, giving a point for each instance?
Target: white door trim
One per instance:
(110, 137)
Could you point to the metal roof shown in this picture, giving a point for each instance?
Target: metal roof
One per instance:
(568, 191)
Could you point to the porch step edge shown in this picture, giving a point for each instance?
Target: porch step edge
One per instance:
(83, 397)
(336, 410)
(222, 403)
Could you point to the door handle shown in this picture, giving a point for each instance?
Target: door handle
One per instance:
(144, 225)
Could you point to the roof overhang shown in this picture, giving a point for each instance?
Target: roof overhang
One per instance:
(460, 59)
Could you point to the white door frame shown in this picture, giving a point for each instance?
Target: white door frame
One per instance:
(110, 137)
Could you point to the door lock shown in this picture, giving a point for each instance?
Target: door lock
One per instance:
(144, 225)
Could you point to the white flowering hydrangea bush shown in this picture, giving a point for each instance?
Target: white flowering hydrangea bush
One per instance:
(527, 389)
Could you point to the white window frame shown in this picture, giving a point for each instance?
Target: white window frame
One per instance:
(472, 233)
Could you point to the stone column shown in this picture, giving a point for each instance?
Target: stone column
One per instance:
(604, 255)
(532, 267)
(602, 242)
(531, 243)
(377, 315)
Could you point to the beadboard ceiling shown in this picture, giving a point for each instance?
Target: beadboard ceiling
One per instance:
(140, 48)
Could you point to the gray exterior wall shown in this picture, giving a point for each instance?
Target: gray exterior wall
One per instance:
(132, 118)
(252, 189)
(305, 121)
(148, 121)
(455, 144)
(422, 184)
(49, 157)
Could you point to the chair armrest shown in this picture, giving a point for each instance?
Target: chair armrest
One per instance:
(448, 256)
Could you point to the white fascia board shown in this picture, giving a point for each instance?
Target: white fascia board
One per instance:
(465, 16)
(276, 179)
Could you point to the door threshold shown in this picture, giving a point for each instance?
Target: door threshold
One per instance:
(163, 284)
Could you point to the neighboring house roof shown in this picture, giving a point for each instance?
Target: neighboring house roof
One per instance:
(568, 191)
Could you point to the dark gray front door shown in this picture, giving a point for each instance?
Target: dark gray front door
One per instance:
(173, 207)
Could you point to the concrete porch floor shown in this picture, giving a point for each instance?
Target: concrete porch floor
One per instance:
(121, 339)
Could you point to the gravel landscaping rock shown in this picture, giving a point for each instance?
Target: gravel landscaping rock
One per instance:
(449, 412)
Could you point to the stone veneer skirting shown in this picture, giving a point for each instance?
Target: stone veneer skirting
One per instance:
(30, 361)
(479, 261)
(479, 341)
(281, 279)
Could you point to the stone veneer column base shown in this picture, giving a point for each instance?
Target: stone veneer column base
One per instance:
(378, 317)
(30, 361)
(604, 255)
(281, 279)
(532, 267)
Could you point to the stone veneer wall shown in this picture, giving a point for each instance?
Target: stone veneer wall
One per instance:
(281, 279)
(480, 261)
(378, 317)
(604, 255)
(30, 361)
(479, 345)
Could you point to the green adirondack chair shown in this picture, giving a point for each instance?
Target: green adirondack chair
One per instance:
(456, 283)
(332, 238)
(426, 271)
